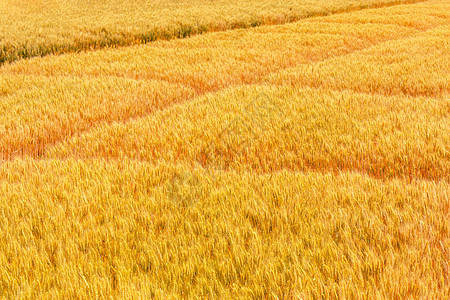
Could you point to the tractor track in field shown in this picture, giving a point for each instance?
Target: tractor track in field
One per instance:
(40, 149)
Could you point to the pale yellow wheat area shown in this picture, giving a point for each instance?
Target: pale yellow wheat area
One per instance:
(36, 27)
(218, 60)
(297, 161)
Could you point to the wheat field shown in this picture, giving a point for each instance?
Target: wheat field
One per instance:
(293, 150)
(36, 28)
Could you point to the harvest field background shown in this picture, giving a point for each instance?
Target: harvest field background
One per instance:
(293, 150)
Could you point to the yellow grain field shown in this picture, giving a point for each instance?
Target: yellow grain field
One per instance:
(293, 160)
(36, 28)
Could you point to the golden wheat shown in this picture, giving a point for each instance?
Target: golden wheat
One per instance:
(298, 161)
(83, 229)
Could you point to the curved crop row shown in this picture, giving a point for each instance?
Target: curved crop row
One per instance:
(48, 100)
